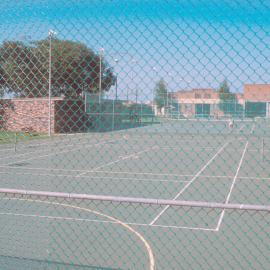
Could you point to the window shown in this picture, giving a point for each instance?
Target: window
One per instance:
(197, 96)
(207, 96)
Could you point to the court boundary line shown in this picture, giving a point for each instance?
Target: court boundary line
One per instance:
(62, 152)
(54, 138)
(54, 144)
(101, 177)
(115, 199)
(111, 218)
(74, 219)
(232, 186)
(191, 181)
(132, 155)
(120, 172)
(41, 151)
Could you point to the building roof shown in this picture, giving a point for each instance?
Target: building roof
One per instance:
(257, 92)
(197, 93)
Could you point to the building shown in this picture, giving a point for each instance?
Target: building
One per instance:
(257, 100)
(197, 102)
(201, 102)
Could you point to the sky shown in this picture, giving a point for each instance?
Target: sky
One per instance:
(190, 44)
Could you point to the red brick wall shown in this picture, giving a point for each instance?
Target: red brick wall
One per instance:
(28, 114)
(1, 114)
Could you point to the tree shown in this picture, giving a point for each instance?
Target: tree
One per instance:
(2, 89)
(228, 101)
(75, 68)
(161, 94)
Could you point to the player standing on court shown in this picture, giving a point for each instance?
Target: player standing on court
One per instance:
(231, 124)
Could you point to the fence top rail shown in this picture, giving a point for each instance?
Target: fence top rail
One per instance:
(148, 201)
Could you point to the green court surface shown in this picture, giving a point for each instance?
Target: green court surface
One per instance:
(196, 160)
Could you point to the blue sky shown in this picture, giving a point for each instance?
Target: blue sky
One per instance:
(189, 43)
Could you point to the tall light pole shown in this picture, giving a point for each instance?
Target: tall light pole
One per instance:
(153, 94)
(51, 34)
(116, 81)
(134, 62)
(171, 106)
(101, 55)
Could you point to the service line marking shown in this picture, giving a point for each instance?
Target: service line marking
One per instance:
(189, 183)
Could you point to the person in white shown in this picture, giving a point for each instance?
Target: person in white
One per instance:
(231, 124)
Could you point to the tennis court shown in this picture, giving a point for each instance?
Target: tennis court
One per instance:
(134, 135)
(186, 160)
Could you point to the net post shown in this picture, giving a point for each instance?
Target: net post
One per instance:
(85, 102)
(262, 149)
(113, 115)
(140, 119)
(15, 142)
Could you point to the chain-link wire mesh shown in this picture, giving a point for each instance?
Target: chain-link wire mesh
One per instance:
(134, 134)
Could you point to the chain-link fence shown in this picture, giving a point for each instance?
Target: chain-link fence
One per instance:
(134, 134)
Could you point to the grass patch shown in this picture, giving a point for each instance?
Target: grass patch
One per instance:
(12, 137)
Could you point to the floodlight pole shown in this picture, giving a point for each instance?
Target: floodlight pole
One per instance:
(51, 34)
(153, 94)
(167, 102)
(116, 81)
(101, 55)
(136, 86)
(170, 109)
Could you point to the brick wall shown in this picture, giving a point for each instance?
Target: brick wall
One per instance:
(32, 114)
(1, 114)
(28, 114)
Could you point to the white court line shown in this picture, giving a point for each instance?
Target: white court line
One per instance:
(189, 183)
(44, 142)
(232, 186)
(186, 147)
(118, 172)
(59, 148)
(7, 149)
(60, 152)
(134, 154)
(15, 155)
(252, 130)
(40, 151)
(99, 177)
(89, 171)
(111, 218)
(104, 221)
(241, 128)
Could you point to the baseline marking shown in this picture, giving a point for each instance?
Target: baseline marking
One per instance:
(40, 151)
(60, 152)
(107, 221)
(118, 172)
(189, 183)
(98, 177)
(112, 219)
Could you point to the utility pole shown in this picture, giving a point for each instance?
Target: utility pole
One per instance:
(51, 34)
